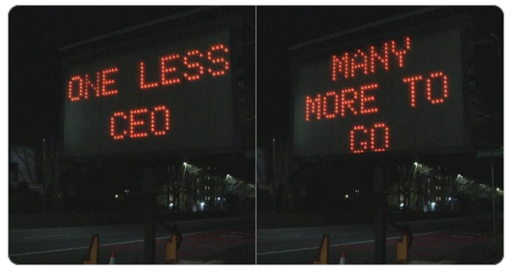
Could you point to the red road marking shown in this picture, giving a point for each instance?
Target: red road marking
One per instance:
(197, 247)
(428, 246)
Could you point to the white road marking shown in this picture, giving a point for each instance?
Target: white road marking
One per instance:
(112, 244)
(48, 251)
(43, 236)
(316, 247)
(355, 243)
(277, 236)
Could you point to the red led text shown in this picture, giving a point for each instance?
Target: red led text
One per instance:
(435, 77)
(101, 84)
(347, 101)
(364, 62)
(168, 70)
(374, 139)
(140, 123)
(187, 67)
(431, 89)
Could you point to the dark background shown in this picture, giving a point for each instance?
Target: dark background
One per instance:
(35, 101)
(37, 33)
(284, 27)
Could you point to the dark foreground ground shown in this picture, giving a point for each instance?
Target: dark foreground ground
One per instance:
(490, 252)
(224, 241)
(449, 242)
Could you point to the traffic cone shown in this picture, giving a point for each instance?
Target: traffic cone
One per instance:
(112, 258)
(342, 259)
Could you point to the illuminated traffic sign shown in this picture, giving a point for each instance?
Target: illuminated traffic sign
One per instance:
(399, 92)
(166, 92)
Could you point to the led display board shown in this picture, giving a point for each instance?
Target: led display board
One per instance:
(400, 92)
(168, 92)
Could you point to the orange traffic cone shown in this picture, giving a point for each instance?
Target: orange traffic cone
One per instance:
(112, 258)
(342, 259)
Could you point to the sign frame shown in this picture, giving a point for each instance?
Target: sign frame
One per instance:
(366, 35)
(135, 37)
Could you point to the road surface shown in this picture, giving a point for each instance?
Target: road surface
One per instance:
(203, 241)
(301, 245)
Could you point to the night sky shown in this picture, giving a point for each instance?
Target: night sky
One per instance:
(35, 35)
(282, 27)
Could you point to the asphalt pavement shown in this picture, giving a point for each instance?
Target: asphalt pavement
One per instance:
(203, 241)
(232, 240)
(432, 244)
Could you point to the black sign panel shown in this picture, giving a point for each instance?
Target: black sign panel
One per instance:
(170, 92)
(399, 92)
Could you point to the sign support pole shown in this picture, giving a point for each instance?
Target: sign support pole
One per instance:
(149, 182)
(493, 190)
(379, 187)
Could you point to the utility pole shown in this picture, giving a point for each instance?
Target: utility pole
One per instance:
(493, 190)
(149, 185)
(43, 177)
(379, 187)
